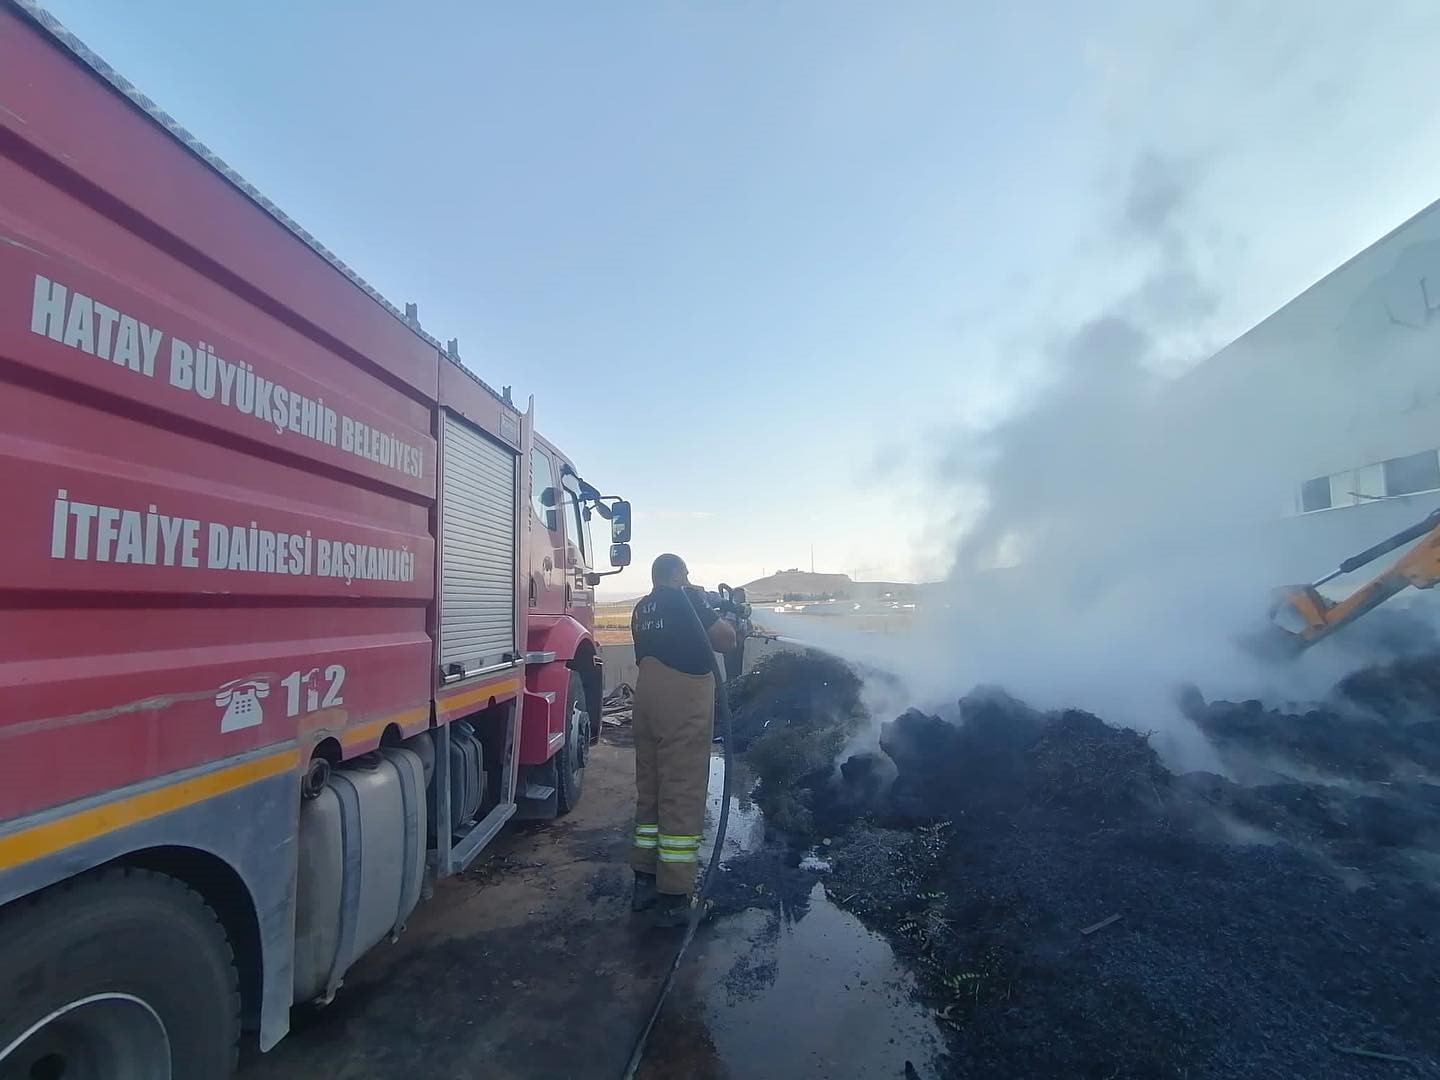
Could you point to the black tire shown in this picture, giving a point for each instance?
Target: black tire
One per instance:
(136, 939)
(570, 761)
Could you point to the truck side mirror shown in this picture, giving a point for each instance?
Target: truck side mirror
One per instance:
(619, 528)
(619, 554)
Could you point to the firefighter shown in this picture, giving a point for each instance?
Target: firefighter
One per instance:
(739, 617)
(673, 719)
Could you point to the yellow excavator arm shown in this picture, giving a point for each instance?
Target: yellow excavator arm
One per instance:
(1304, 617)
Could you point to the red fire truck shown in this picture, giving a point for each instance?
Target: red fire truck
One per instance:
(295, 611)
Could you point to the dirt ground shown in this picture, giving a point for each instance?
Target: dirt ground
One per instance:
(531, 965)
(528, 965)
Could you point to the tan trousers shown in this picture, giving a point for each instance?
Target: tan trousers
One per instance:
(673, 721)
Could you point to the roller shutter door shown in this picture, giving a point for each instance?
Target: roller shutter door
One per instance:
(477, 536)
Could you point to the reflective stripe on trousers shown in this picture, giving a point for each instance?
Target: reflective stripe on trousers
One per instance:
(679, 849)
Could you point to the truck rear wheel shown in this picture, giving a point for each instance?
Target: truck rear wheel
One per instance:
(123, 975)
(570, 761)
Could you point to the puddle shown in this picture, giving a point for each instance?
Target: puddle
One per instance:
(818, 996)
(745, 829)
(813, 996)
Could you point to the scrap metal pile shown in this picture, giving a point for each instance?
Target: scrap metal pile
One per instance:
(1075, 908)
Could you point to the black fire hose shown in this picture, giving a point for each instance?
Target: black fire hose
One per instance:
(697, 912)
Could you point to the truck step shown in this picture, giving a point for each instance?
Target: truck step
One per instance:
(473, 841)
(536, 794)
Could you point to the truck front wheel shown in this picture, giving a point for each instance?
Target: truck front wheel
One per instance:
(121, 974)
(571, 758)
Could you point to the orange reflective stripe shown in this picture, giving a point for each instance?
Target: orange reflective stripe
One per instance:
(34, 842)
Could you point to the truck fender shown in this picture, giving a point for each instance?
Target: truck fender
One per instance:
(558, 645)
(558, 634)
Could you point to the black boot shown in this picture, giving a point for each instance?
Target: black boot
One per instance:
(643, 899)
(672, 911)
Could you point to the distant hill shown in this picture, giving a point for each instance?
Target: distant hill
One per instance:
(797, 583)
(801, 584)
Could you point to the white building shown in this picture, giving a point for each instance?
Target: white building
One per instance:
(1335, 400)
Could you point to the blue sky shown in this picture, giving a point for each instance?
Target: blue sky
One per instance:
(758, 262)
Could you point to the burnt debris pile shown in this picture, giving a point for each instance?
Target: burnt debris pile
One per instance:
(809, 691)
(1002, 756)
(792, 717)
(1075, 908)
(1381, 723)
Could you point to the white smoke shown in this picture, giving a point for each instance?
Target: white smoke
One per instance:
(1115, 532)
(1133, 522)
